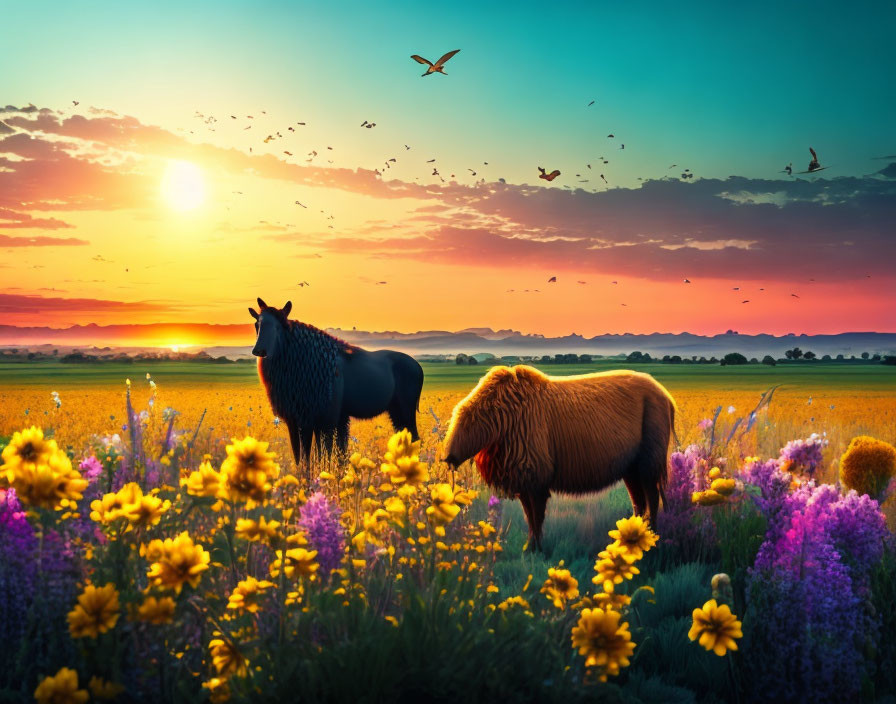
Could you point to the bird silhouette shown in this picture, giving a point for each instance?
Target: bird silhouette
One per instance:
(552, 280)
(747, 301)
(794, 295)
(814, 165)
(788, 169)
(590, 104)
(687, 281)
(548, 176)
(302, 204)
(436, 67)
(76, 102)
(611, 136)
(581, 282)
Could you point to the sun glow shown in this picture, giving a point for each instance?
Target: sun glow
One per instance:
(183, 186)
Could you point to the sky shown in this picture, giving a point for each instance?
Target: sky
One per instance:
(156, 198)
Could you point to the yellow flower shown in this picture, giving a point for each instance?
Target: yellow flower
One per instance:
(41, 474)
(612, 566)
(107, 509)
(723, 486)
(145, 510)
(707, 498)
(249, 469)
(218, 690)
(515, 601)
(61, 688)
(205, 481)
(178, 561)
(298, 562)
(156, 611)
(247, 529)
(614, 600)
(715, 473)
(374, 526)
(403, 463)
(716, 628)
(634, 536)
(27, 448)
(96, 612)
(486, 529)
(226, 659)
(867, 466)
(443, 509)
(247, 594)
(560, 586)
(103, 689)
(396, 509)
(603, 640)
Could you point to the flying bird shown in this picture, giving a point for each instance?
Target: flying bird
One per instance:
(590, 104)
(581, 282)
(794, 295)
(76, 102)
(548, 176)
(436, 67)
(303, 284)
(611, 136)
(302, 204)
(687, 281)
(747, 301)
(788, 169)
(814, 165)
(429, 161)
(552, 280)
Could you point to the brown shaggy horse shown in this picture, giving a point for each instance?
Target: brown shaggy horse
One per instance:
(531, 434)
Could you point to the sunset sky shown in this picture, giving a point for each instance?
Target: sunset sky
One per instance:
(147, 202)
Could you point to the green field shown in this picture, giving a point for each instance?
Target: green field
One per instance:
(453, 377)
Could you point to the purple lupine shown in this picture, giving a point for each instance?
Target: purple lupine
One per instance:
(679, 523)
(320, 522)
(807, 595)
(804, 455)
(772, 483)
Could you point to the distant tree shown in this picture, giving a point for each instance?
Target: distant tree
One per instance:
(461, 359)
(809, 355)
(713, 360)
(753, 360)
(769, 360)
(585, 359)
(795, 353)
(890, 360)
(472, 360)
(839, 357)
(637, 356)
(875, 358)
(733, 358)
(865, 355)
(826, 358)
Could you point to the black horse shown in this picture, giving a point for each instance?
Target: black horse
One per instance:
(316, 383)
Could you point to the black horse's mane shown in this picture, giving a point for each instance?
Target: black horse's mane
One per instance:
(299, 378)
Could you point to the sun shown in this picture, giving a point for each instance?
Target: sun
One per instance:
(183, 186)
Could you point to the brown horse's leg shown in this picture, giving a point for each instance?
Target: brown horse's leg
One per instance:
(652, 492)
(635, 491)
(539, 506)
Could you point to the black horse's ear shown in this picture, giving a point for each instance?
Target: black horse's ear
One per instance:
(253, 313)
(287, 308)
(261, 303)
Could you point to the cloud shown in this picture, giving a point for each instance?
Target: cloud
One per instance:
(40, 241)
(12, 304)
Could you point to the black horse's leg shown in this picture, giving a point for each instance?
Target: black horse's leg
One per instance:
(325, 439)
(342, 435)
(295, 441)
(307, 434)
(398, 416)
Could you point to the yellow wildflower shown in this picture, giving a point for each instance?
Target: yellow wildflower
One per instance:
(298, 562)
(205, 481)
(178, 561)
(443, 509)
(27, 448)
(262, 529)
(715, 628)
(867, 466)
(612, 566)
(247, 594)
(226, 659)
(560, 586)
(61, 688)
(103, 689)
(634, 536)
(723, 486)
(156, 610)
(403, 465)
(96, 612)
(707, 498)
(604, 639)
(218, 690)
(249, 470)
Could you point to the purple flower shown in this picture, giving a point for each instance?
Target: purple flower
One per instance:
(493, 501)
(705, 424)
(804, 456)
(320, 521)
(91, 468)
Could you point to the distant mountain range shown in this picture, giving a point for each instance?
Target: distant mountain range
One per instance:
(236, 341)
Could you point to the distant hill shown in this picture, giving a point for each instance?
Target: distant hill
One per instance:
(236, 341)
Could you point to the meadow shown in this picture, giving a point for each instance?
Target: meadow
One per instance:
(417, 582)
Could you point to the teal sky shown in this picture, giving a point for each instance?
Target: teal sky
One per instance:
(722, 89)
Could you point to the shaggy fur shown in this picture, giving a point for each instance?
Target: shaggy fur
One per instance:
(531, 434)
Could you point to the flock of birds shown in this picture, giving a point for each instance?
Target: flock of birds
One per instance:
(438, 67)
